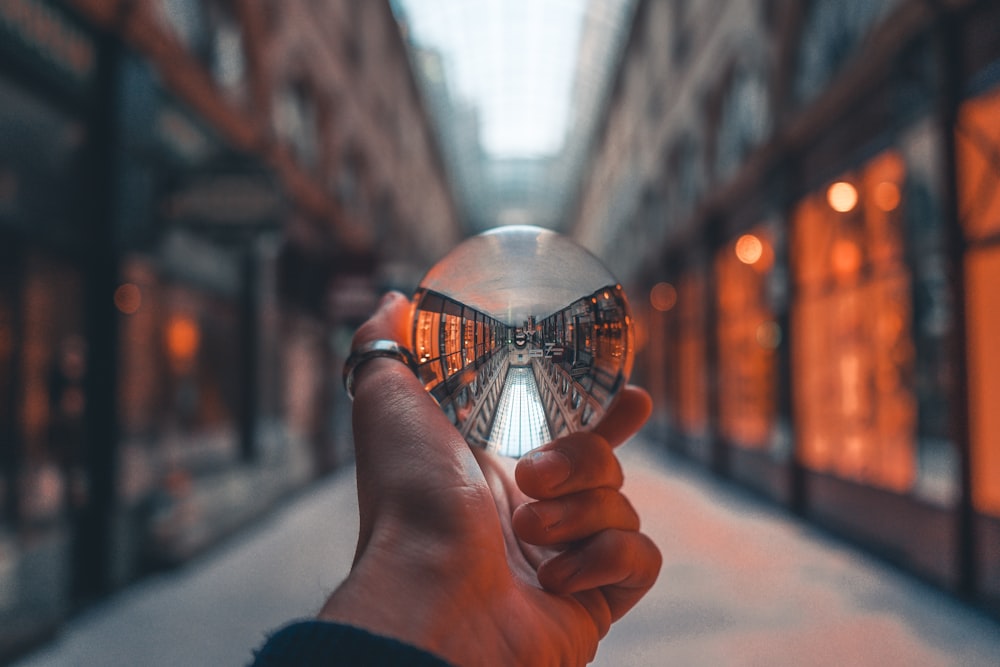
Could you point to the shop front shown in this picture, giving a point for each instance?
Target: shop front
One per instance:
(48, 493)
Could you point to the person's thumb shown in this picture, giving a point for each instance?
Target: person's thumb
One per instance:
(407, 451)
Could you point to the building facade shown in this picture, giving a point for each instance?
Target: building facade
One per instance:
(801, 198)
(199, 200)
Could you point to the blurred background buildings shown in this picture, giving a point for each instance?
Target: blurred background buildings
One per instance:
(200, 199)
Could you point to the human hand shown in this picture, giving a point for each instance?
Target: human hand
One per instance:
(476, 558)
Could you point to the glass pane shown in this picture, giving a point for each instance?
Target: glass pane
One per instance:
(426, 335)
(853, 351)
(982, 279)
(748, 337)
(52, 398)
(977, 145)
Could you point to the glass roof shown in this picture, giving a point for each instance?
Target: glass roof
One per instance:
(515, 88)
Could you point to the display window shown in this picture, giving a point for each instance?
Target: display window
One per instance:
(180, 375)
(748, 337)
(453, 344)
(470, 336)
(977, 143)
(427, 336)
(852, 346)
(52, 400)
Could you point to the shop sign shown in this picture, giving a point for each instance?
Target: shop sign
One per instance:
(235, 198)
(195, 261)
(44, 36)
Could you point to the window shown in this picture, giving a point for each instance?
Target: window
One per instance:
(832, 32)
(211, 32)
(745, 120)
(748, 337)
(226, 57)
(977, 138)
(853, 351)
(295, 121)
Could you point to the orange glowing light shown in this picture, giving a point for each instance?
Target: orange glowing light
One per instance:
(749, 249)
(663, 297)
(846, 258)
(183, 338)
(842, 197)
(128, 298)
(886, 196)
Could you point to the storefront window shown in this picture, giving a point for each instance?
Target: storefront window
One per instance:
(977, 145)
(452, 343)
(200, 338)
(52, 398)
(748, 337)
(470, 336)
(853, 351)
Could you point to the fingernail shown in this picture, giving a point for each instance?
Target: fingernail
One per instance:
(387, 297)
(549, 513)
(552, 466)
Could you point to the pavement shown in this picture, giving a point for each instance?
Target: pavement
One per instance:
(743, 583)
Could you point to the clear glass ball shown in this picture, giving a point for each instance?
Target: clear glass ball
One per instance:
(522, 336)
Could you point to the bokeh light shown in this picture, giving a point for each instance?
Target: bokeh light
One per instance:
(846, 258)
(183, 338)
(749, 249)
(842, 197)
(128, 298)
(886, 196)
(663, 297)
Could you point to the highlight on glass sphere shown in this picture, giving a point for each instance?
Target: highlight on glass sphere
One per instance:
(522, 336)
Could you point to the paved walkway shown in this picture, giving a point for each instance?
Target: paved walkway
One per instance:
(742, 584)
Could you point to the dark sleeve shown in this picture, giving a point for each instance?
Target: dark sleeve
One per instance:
(308, 643)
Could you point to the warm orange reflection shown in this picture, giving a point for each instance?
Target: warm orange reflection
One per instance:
(663, 297)
(977, 141)
(845, 258)
(982, 277)
(842, 197)
(183, 338)
(977, 137)
(852, 352)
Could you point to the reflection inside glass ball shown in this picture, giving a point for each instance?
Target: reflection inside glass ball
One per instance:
(522, 336)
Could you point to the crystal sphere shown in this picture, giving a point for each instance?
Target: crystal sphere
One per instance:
(521, 336)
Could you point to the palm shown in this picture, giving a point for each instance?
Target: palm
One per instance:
(471, 556)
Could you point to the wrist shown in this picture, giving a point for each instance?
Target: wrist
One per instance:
(419, 606)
